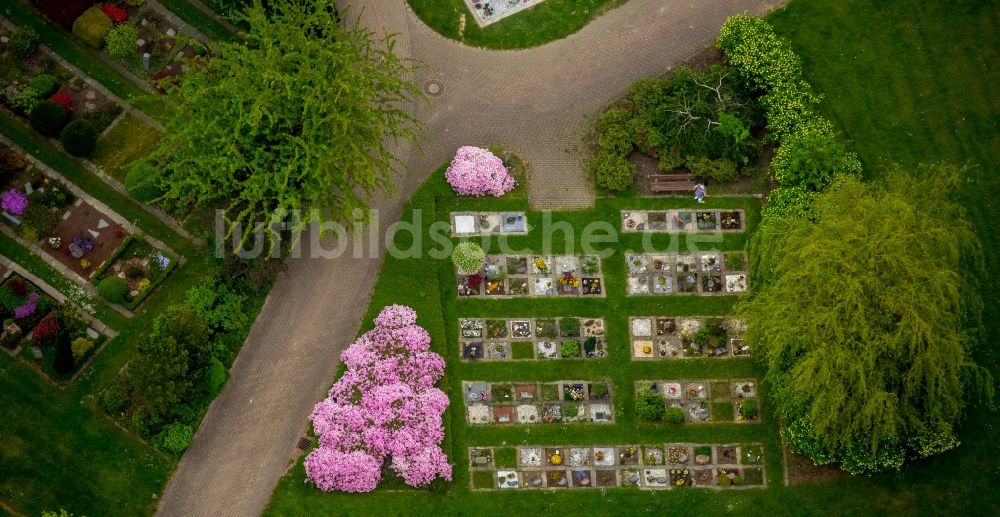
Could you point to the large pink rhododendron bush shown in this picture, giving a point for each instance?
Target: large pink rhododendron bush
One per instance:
(384, 408)
(478, 172)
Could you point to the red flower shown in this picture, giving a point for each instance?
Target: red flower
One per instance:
(63, 99)
(47, 329)
(117, 14)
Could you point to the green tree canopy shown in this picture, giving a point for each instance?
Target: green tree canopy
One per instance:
(172, 362)
(866, 315)
(298, 115)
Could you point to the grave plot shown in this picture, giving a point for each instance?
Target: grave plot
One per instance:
(683, 220)
(22, 306)
(464, 224)
(558, 402)
(655, 466)
(705, 274)
(685, 337)
(85, 237)
(531, 338)
(138, 267)
(486, 12)
(534, 275)
(714, 400)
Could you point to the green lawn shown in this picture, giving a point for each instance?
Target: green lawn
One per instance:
(906, 83)
(545, 22)
(198, 19)
(131, 138)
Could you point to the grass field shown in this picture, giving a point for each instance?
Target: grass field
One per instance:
(906, 83)
(130, 139)
(545, 22)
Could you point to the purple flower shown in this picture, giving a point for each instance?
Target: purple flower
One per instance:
(84, 243)
(161, 260)
(477, 172)
(28, 308)
(14, 202)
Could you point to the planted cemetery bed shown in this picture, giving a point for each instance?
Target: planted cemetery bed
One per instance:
(84, 238)
(22, 307)
(731, 220)
(697, 401)
(62, 343)
(531, 338)
(488, 223)
(675, 337)
(651, 466)
(137, 268)
(711, 273)
(558, 402)
(33, 203)
(534, 275)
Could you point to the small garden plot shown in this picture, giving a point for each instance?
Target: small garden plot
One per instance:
(538, 276)
(729, 400)
(670, 337)
(84, 239)
(532, 403)
(133, 271)
(486, 12)
(683, 465)
(701, 274)
(532, 338)
(22, 307)
(130, 139)
(62, 343)
(683, 220)
(48, 96)
(464, 224)
(32, 202)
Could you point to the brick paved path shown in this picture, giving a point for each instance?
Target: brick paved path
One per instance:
(535, 102)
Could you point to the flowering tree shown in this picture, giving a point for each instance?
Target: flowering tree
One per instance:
(14, 202)
(384, 406)
(477, 172)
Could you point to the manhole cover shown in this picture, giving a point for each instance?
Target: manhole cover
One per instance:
(433, 88)
(304, 443)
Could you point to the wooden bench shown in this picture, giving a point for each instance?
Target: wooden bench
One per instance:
(668, 183)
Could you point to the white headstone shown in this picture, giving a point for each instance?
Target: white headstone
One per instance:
(91, 333)
(94, 234)
(101, 224)
(171, 32)
(140, 42)
(465, 224)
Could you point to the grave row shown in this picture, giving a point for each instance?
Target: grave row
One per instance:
(683, 220)
(714, 400)
(557, 402)
(466, 224)
(700, 274)
(685, 337)
(648, 466)
(534, 275)
(531, 338)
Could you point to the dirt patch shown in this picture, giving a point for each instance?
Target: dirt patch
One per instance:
(645, 165)
(80, 221)
(705, 58)
(801, 470)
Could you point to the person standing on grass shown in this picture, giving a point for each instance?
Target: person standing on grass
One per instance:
(699, 192)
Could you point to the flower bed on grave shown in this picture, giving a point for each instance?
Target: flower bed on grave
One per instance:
(62, 343)
(32, 203)
(139, 266)
(84, 238)
(558, 402)
(34, 76)
(384, 409)
(531, 338)
(22, 307)
(534, 275)
(672, 337)
(714, 400)
(709, 273)
(652, 466)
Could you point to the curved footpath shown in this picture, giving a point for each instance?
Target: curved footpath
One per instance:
(535, 102)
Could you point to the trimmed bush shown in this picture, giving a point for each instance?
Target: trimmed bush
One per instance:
(120, 43)
(22, 43)
(469, 257)
(612, 171)
(674, 415)
(79, 138)
(38, 222)
(113, 289)
(23, 100)
(650, 406)
(116, 396)
(175, 438)
(92, 27)
(81, 346)
(48, 118)
(45, 85)
(614, 135)
(721, 170)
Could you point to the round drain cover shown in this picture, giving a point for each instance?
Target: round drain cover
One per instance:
(433, 88)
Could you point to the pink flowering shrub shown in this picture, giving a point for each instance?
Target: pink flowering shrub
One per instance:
(477, 172)
(14, 202)
(384, 407)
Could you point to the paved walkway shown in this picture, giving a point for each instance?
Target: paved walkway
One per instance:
(535, 102)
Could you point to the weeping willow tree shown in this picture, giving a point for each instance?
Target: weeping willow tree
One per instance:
(865, 313)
